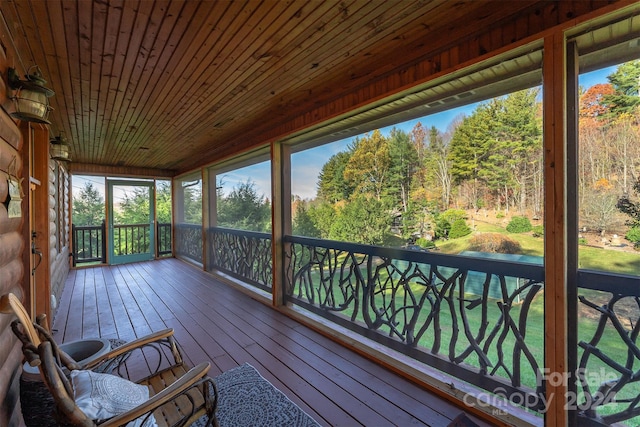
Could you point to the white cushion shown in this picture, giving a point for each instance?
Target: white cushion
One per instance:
(102, 396)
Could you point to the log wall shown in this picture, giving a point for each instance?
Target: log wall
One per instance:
(11, 251)
(59, 228)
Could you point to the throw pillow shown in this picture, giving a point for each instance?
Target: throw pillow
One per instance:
(102, 396)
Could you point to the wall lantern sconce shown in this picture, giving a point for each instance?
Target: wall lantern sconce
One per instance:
(59, 149)
(31, 99)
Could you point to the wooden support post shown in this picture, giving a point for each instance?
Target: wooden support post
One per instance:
(572, 222)
(209, 213)
(555, 226)
(281, 215)
(206, 213)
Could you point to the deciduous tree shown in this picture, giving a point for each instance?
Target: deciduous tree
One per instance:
(368, 168)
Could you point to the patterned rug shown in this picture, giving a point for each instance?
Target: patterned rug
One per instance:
(247, 399)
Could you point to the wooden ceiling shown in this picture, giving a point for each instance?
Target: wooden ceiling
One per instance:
(177, 84)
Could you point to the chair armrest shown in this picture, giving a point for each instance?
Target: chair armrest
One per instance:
(121, 353)
(190, 379)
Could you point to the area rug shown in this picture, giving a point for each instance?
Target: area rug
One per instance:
(247, 399)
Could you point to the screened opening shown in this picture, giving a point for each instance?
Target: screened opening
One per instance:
(607, 224)
(188, 217)
(243, 197)
(428, 209)
(239, 231)
(464, 150)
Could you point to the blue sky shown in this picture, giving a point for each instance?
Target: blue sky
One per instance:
(306, 165)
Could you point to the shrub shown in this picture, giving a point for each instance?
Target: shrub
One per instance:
(519, 224)
(459, 228)
(499, 215)
(445, 220)
(441, 228)
(633, 235)
(425, 243)
(494, 242)
(538, 230)
(582, 241)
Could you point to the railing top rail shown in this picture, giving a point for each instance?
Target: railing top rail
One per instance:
(144, 224)
(533, 271)
(186, 225)
(239, 232)
(621, 284)
(87, 227)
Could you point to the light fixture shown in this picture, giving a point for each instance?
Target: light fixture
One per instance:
(31, 99)
(59, 149)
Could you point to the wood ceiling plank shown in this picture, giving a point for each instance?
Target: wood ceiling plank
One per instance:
(69, 18)
(109, 63)
(283, 46)
(365, 14)
(63, 100)
(43, 42)
(241, 43)
(145, 132)
(164, 50)
(17, 43)
(176, 74)
(150, 18)
(194, 44)
(295, 43)
(207, 55)
(85, 8)
(132, 30)
(147, 85)
(303, 71)
(115, 92)
(219, 76)
(332, 57)
(98, 39)
(445, 33)
(304, 105)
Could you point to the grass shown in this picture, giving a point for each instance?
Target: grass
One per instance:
(589, 257)
(609, 260)
(592, 258)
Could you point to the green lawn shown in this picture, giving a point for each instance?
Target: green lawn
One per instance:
(450, 318)
(610, 260)
(593, 258)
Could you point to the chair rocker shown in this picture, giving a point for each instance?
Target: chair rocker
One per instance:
(91, 395)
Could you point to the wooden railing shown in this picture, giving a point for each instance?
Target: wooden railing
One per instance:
(88, 243)
(130, 239)
(163, 239)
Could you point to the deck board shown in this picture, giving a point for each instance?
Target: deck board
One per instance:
(217, 323)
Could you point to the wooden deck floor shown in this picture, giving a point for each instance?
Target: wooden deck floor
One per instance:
(217, 323)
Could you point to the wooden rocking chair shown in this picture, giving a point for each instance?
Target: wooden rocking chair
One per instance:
(177, 395)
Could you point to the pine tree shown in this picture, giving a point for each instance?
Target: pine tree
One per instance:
(88, 206)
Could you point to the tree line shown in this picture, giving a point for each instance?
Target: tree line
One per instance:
(133, 208)
(491, 159)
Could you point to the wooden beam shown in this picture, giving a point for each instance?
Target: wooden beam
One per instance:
(555, 226)
(124, 171)
(281, 215)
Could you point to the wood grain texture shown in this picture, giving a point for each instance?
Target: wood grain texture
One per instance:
(216, 323)
(172, 84)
